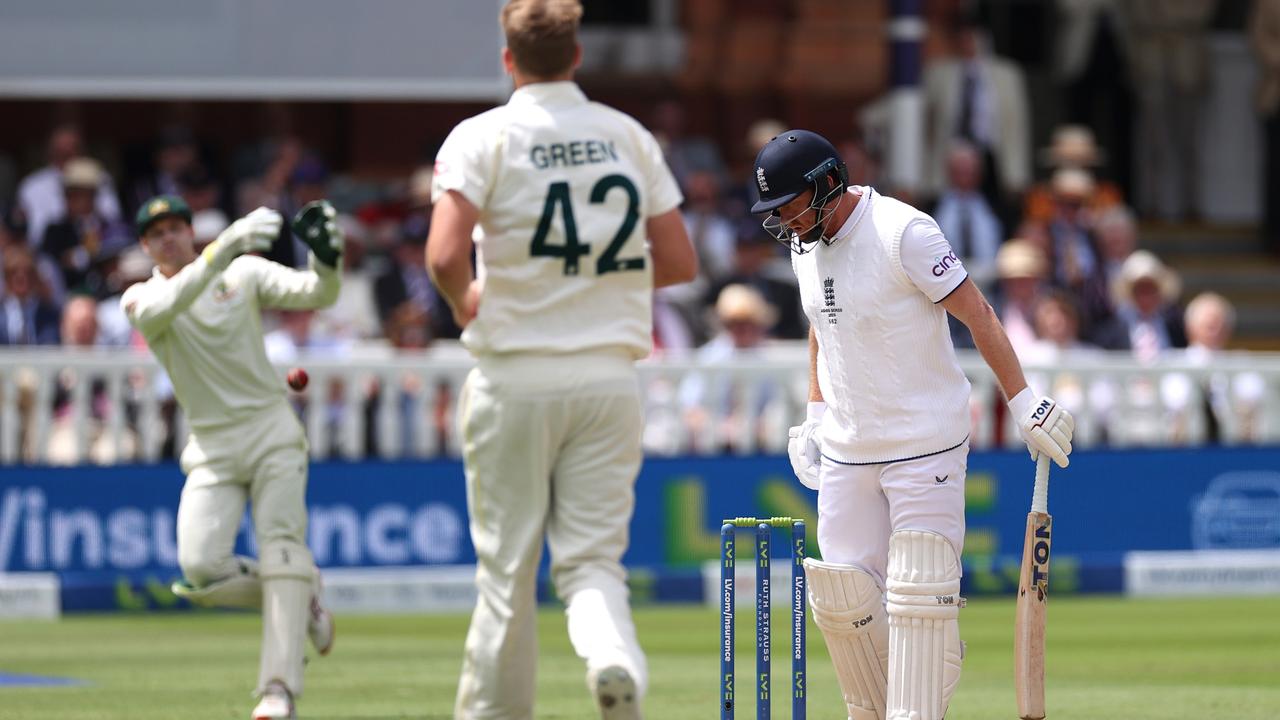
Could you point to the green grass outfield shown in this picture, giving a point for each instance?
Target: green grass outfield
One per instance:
(1108, 658)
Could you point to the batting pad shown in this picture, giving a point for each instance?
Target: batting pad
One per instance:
(288, 572)
(848, 607)
(924, 634)
(242, 590)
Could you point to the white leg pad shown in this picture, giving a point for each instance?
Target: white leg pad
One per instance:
(924, 633)
(288, 573)
(242, 590)
(848, 607)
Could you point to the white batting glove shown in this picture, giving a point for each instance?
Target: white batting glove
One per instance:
(254, 232)
(803, 445)
(1044, 425)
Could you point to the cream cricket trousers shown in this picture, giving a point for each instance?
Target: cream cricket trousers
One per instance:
(263, 461)
(860, 506)
(552, 448)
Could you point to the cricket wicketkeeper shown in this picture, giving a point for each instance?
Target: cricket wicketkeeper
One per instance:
(201, 317)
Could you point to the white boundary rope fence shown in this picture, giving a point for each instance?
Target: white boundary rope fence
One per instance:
(114, 406)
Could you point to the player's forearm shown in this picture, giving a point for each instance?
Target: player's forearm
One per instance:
(815, 391)
(452, 276)
(153, 311)
(990, 339)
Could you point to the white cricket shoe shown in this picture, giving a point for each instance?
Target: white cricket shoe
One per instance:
(320, 627)
(615, 692)
(276, 703)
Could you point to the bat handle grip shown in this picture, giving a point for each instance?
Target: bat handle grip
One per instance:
(1040, 494)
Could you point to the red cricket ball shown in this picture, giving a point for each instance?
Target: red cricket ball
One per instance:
(297, 379)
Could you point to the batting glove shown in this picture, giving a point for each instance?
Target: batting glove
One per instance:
(315, 224)
(803, 445)
(252, 233)
(1045, 426)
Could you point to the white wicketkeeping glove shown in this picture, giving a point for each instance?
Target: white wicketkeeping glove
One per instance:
(804, 448)
(1045, 426)
(252, 233)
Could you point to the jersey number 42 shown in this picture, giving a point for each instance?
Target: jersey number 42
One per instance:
(572, 249)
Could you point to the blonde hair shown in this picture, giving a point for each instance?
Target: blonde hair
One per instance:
(542, 35)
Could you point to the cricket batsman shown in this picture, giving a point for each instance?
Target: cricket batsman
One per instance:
(886, 440)
(201, 317)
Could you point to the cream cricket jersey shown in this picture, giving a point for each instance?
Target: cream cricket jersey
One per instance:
(886, 365)
(205, 328)
(564, 187)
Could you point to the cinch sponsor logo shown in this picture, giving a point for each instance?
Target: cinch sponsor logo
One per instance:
(945, 263)
(35, 536)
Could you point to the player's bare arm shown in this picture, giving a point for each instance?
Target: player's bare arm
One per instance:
(815, 391)
(674, 259)
(1045, 426)
(969, 306)
(449, 254)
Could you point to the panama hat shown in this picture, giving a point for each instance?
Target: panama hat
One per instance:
(1072, 146)
(1019, 258)
(1144, 265)
(741, 302)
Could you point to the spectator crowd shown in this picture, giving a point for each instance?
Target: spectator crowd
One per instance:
(1047, 234)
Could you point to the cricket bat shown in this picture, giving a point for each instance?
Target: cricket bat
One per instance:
(1033, 596)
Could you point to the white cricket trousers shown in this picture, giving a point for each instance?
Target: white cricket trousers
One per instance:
(859, 506)
(263, 460)
(551, 447)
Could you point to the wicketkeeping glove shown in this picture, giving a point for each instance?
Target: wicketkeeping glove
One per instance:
(316, 225)
(804, 447)
(254, 232)
(1045, 426)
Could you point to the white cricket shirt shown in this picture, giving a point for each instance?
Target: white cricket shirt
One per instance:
(209, 337)
(564, 187)
(886, 365)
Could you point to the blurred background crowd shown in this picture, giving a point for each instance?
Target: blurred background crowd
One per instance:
(1064, 158)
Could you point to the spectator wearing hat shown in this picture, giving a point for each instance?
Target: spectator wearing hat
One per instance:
(759, 264)
(967, 219)
(1075, 255)
(40, 195)
(1022, 269)
(1072, 146)
(1148, 321)
(82, 242)
(719, 408)
(26, 315)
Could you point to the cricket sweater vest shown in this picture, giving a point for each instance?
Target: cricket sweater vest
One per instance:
(886, 365)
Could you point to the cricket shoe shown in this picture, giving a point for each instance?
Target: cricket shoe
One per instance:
(276, 703)
(320, 627)
(615, 691)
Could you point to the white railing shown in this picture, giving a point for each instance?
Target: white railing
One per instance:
(66, 406)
